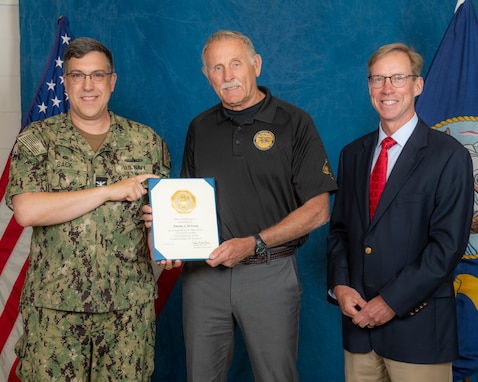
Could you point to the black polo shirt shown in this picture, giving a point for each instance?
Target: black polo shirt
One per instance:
(264, 168)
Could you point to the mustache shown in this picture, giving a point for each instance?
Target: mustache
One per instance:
(231, 84)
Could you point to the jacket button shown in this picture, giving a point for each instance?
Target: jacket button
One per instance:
(368, 250)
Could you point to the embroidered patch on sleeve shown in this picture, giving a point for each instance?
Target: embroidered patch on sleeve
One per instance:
(32, 143)
(326, 170)
(166, 155)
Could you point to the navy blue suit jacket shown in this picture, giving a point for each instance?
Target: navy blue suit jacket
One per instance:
(408, 253)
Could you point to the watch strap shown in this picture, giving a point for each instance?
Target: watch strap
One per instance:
(258, 239)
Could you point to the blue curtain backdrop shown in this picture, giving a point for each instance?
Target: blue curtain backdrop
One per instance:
(314, 55)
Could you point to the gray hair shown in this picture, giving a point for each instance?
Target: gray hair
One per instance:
(228, 34)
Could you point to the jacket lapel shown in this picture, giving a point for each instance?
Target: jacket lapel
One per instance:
(362, 171)
(406, 164)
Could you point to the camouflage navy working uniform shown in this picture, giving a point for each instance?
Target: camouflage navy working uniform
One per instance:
(90, 277)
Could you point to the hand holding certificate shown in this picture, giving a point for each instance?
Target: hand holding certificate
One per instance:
(184, 222)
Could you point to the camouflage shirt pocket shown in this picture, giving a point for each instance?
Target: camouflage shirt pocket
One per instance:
(64, 178)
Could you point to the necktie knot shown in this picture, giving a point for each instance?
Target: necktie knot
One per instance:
(387, 143)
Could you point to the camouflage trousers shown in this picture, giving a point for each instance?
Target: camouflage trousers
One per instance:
(74, 347)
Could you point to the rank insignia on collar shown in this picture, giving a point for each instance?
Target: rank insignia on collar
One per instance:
(264, 140)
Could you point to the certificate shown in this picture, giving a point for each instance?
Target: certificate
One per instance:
(184, 218)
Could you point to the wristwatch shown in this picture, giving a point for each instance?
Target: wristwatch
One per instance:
(261, 247)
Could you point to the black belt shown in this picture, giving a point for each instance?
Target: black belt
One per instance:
(271, 254)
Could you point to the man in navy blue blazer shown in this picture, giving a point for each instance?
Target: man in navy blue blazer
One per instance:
(392, 275)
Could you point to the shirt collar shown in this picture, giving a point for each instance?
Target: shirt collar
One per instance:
(266, 113)
(402, 134)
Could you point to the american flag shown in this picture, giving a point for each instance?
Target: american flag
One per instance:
(50, 99)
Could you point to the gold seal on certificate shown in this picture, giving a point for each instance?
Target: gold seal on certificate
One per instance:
(183, 201)
(184, 218)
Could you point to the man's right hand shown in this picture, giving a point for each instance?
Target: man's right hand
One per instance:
(129, 189)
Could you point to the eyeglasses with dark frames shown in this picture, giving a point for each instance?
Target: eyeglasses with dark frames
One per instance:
(397, 80)
(96, 76)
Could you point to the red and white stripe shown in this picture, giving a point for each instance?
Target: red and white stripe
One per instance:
(14, 250)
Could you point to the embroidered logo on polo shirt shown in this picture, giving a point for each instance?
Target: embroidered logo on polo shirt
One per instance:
(264, 140)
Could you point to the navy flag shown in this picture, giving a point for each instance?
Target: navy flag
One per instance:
(449, 103)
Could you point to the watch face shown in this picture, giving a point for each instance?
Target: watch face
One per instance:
(261, 249)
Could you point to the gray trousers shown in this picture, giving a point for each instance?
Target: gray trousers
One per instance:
(263, 299)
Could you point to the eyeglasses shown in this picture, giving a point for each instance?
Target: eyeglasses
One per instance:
(397, 80)
(97, 76)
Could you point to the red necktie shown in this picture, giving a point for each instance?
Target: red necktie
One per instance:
(378, 178)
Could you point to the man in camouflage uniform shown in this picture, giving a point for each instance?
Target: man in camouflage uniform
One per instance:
(78, 178)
